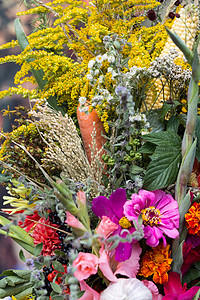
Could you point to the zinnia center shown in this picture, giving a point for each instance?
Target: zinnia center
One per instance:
(151, 216)
(124, 222)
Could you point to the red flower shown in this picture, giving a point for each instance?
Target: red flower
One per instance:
(43, 233)
(174, 290)
(29, 221)
(190, 256)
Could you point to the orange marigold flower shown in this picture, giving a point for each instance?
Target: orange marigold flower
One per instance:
(156, 262)
(193, 219)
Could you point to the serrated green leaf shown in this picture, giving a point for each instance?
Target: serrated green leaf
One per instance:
(163, 110)
(164, 137)
(163, 168)
(173, 123)
(22, 256)
(155, 121)
(148, 148)
(38, 249)
(58, 266)
(56, 288)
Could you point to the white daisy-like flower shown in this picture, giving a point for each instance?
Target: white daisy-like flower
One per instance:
(99, 58)
(91, 63)
(96, 72)
(89, 77)
(111, 58)
(101, 79)
(110, 70)
(126, 289)
(105, 56)
(82, 100)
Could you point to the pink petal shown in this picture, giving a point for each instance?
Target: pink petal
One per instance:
(131, 266)
(82, 197)
(104, 265)
(74, 222)
(154, 290)
(172, 233)
(189, 294)
(89, 294)
(173, 286)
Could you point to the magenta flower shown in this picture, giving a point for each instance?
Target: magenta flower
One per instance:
(113, 209)
(174, 290)
(159, 212)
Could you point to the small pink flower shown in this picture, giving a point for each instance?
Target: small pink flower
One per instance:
(82, 197)
(106, 227)
(73, 222)
(86, 264)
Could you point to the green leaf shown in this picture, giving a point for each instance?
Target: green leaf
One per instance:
(147, 148)
(58, 297)
(23, 295)
(163, 168)
(22, 256)
(80, 294)
(7, 291)
(27, 247)
(134, 170)
(196, 297)
(197, 265)
(181, 45)
(38, 74)
(25, 274)
(59, 253)
(191, 275)
(155, 121)
(173, 124)
(38, 249)
(164, 138)
(56, 288)
(58, 266)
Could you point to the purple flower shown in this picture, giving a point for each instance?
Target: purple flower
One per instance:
(113, 209)
(159, 212)
(174, 290)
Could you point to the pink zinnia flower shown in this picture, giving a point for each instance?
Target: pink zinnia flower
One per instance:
(46, 235)
(159, 212)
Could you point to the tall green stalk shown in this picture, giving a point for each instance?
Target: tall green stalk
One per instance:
(188, 149)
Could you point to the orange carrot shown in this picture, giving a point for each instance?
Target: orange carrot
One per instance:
(86, 124)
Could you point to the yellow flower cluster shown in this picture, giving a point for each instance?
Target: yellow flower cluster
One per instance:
(82, 29)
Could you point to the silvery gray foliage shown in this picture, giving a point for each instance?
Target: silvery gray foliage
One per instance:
(166, 67)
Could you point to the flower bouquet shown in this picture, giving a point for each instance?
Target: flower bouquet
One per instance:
(102, 169)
